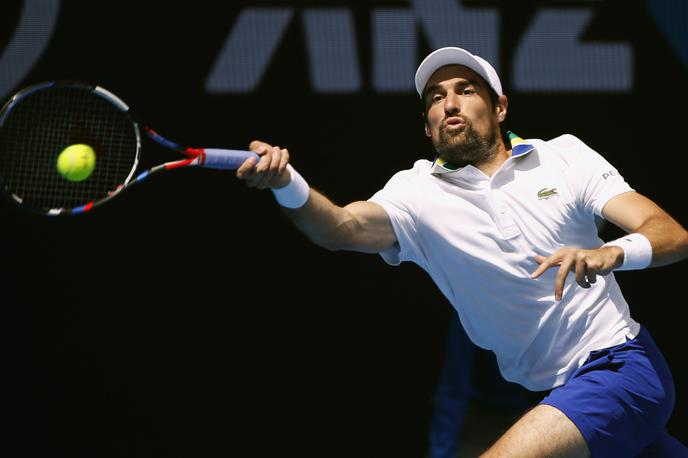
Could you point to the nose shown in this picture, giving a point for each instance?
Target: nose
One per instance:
(451, 103)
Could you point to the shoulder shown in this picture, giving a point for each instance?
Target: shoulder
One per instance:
(414, 175)
(566, 149)
(420, 167)
(565, 143)
(405, 185)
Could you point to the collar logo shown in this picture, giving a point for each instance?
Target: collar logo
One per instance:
(545, 193)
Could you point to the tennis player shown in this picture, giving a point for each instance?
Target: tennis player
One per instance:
(506, 229)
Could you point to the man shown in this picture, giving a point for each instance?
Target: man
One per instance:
(499, 224)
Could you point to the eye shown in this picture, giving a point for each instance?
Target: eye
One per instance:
(436, 98)
(468, 91)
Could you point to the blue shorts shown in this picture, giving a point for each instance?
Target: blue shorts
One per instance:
(621, 399)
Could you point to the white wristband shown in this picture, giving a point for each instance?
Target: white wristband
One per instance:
(295, 194)
(637, 251)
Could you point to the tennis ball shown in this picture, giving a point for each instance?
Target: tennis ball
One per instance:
(76, 162)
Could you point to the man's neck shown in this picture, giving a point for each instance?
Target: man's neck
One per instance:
(490, 166)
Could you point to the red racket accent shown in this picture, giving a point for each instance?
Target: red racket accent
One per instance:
(176, 165)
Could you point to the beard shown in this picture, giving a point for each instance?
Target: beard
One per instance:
(473, 149)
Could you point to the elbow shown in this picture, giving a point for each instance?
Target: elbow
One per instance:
(330, 244)
(680, 237)
(341, 237)
(332, 247)
(674, 251)
(684, 245)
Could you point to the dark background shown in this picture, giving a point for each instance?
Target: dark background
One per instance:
(188, 318)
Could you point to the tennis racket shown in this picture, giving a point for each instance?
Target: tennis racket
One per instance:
(40, 122)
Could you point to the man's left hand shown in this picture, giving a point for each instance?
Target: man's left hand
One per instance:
(588, 264)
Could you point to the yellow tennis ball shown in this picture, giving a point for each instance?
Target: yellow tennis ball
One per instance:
(76, 162)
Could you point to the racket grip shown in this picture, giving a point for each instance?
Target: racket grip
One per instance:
(230, 159)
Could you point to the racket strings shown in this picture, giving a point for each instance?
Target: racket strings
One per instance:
(42, 125)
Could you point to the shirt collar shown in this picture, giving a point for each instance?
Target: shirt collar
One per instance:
(518, 148)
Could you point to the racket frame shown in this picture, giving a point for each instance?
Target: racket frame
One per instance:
(194, 156)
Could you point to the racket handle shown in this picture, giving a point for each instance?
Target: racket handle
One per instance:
(226, 158)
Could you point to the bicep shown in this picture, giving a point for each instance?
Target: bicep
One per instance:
(372, 230)
(630, 210)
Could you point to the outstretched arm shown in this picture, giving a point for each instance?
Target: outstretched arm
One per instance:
(360, 226)
(633, 213)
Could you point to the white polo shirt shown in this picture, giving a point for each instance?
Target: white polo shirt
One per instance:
(477, 237)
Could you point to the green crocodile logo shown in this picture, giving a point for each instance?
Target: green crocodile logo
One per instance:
(545, 193)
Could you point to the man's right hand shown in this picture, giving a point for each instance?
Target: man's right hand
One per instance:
(270, 171)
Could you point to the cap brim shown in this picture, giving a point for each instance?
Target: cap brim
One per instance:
(446, 56)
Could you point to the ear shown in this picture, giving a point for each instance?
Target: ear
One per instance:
(501, 108)
(425, 124)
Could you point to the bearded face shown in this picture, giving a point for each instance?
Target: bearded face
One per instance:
(466, 146)
(461, 118)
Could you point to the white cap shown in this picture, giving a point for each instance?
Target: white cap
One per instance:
(455, 56)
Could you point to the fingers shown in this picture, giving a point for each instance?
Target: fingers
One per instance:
(284, 161)
(261, 174)
(566, 264)
(585, 263)
(545, 263)
(540, 259)
(259, 147)
(592, 276)
(246, 168)
(265, 169)
(563, 258)
(582, 271)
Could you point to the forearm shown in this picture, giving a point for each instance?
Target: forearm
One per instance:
(323, 222)
(668, 238)
(635, 213)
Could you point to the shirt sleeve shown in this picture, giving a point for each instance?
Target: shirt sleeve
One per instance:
(398, 198)
(597, 180)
